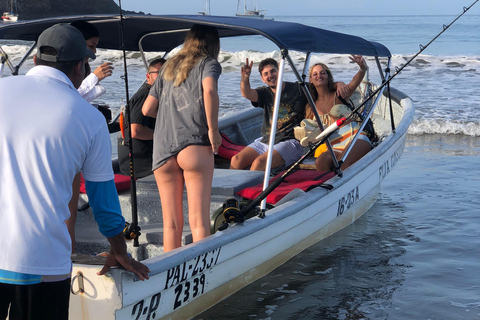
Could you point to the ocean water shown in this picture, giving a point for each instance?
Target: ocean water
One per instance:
(415, 254)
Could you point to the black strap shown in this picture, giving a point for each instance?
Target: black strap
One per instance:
(350, 106)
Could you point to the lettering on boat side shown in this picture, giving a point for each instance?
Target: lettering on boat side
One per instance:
(191, 268)
(184, 292)
(388, 165)
(140, 312)
(348, 200)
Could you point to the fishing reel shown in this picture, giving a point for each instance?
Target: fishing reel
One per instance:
(231, 213)
(131, 231)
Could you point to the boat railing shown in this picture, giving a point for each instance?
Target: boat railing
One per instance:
(140, 46)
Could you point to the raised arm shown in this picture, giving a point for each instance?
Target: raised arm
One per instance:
(141, 132)
(104, 70)
(357, 79)
(212, 104)
(150, 107)
(247, 91)
(103, 199)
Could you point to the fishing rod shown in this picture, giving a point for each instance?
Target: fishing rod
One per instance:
(231, 208)
(132, 230)
(386, 81)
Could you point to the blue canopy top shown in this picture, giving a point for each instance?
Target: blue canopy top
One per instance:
(171, 30)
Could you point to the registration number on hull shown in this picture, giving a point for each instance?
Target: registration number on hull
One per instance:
(347, 201)
(187, 280)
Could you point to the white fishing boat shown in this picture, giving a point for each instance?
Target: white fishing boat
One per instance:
(190, 279)
(250, 12)
(10, 16)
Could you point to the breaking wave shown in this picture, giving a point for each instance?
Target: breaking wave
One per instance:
(442, 87)
(444, 127)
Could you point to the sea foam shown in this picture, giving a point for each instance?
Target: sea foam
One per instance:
(442, 87)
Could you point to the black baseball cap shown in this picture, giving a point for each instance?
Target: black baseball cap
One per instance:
(68, 41)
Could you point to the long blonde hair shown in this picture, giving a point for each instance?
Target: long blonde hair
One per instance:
(313, 91)
(201, 41)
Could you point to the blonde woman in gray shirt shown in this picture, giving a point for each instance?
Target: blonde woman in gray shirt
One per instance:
(184, 99)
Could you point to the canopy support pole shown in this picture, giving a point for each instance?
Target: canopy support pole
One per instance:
(140, 47)
(306, 92)
(273, 125)
(15, 69)
(387, 73)
(371, 108)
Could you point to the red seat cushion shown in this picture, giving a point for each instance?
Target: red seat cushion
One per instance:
(301, 179)
(228, 148)
(121, 183)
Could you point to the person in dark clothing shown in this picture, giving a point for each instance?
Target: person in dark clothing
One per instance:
(142, 129)
(287, 149)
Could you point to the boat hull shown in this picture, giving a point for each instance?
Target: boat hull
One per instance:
(189, 280)
(9, 17)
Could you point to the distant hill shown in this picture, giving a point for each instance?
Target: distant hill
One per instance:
(36, 9)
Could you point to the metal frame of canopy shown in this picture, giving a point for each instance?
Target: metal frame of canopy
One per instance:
(301, 80)
(286, 35)
(147, 33)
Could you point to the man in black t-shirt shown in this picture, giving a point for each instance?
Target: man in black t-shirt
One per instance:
(287, 149)
(142, 129)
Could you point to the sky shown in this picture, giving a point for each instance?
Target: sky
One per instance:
(307, 7)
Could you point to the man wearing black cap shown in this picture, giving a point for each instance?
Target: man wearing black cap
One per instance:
(49, 133)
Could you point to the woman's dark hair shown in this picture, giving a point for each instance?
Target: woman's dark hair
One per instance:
(156, 61)
(87, 29)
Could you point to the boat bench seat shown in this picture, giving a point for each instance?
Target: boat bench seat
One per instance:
(302, 179)
(229, 181)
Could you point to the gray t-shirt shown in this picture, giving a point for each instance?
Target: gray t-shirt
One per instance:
(181, 118)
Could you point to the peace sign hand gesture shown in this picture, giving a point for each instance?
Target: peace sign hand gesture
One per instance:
(246, 69)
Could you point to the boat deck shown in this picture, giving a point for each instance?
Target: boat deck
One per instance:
(90, 241)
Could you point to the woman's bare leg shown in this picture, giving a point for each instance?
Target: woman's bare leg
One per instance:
(72, 206)
(325, 163)
(197, 165)
(360, 149)
(169, 178)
